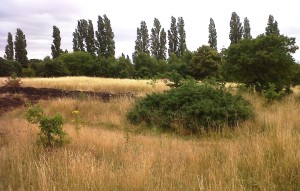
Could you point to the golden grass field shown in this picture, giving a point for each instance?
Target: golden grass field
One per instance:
(108, 153)
(93, 84)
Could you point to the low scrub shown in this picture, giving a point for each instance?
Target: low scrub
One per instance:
(191, 106)
(51, 127)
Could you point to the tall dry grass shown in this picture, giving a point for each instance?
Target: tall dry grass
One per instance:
(106, 154)
(94, 84)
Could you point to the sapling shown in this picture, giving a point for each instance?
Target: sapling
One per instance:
(51, 127)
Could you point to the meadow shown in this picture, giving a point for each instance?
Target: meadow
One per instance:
(108, 153)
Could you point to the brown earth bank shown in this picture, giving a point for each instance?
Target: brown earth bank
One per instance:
(12, 97)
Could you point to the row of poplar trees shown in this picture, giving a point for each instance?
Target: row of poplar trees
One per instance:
(101, 42)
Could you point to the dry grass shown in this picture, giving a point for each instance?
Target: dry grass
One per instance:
(93, 84)
(109, 154)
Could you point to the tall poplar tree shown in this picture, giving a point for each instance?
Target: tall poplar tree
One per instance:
(75, 41)
(105, 42)
(236, 29)
(55, 47)
(247, 29)
(173, 37)
(109, 38)
(138, 43)
(100, 44)
(90, 39)
(154, 39)
(82, 34)
(20, 48)
(9, 48)
(272, 26)
(142, 41)
(181, 37)
(162, 45)
(212, 37)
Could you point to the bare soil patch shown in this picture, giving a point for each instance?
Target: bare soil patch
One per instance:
(9, 100)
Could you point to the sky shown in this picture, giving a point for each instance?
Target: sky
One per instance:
(37, 17)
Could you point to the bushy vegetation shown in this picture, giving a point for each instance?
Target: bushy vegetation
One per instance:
(192, 106)
(51, 133)
(13, 81)
(8, 67)
(205, 63)
(272, 95)
(261, 61)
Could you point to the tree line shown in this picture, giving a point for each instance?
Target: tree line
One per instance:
(158, 51)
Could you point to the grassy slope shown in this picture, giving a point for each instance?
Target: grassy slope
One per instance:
(110, 154)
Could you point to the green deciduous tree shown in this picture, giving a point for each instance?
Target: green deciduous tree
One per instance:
(9, 48)
(262, 61)
(54, 68)
(55, 47)
(145, 65)
(20, 48)
(272, 26)
(77, 63)
(205, 63)
(173, 37)
(126, 67)
(236, 29)
(8, 67)
(212, 37)
(247, 29)
(181, 37)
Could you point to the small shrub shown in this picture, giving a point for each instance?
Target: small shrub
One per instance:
(191, 105)
(51, 133)
(13, 81)
(272, 95)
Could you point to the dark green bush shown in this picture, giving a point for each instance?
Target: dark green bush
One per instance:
(8, 67)
(192, 106)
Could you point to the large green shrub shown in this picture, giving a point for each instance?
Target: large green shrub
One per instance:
(191, 106)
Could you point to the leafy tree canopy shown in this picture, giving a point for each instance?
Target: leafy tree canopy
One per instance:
(261, 61)
(205, 63)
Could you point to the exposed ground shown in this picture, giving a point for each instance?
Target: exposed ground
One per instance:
(13, 97)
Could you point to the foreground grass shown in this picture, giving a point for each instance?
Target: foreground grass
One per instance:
(93, 84)
(109, 154)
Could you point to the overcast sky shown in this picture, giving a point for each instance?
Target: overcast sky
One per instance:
(37, 17)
